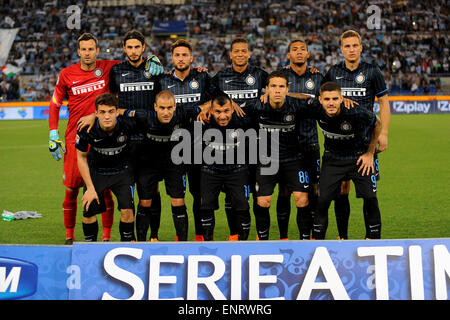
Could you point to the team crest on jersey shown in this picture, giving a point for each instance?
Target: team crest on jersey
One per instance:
(194, 84)
(98, 72)
(234, 134)
(289, 117)
(310, 84)
(122, 138)
(360, 78)
(345, 126)
(250, 80)
(77, 139)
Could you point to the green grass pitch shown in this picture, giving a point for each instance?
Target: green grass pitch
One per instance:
(412, 192)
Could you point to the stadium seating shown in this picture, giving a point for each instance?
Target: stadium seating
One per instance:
(411, 47)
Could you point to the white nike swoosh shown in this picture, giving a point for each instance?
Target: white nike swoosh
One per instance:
(97, 140)
(75, 81)
(171, 86)
(226, 81)
(124, 74)
(337, 78)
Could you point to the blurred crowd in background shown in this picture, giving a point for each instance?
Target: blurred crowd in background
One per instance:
(411, 46)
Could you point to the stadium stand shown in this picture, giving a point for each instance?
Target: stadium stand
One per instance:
(411, 47)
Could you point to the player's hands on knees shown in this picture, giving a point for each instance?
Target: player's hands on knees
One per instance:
(86, 121)
(89, 196)
(153, 65)
(55, 145)
(350, 103)
(365, 163)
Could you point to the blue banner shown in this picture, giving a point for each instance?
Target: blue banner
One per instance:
(282, 270)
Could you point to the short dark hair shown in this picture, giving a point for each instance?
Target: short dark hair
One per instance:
(181, 43)
(330, 86)
(221, 99)
(297, 40)
(277, 74)
(86, 37)
(239, 40)
(134, 34)
(107, 99)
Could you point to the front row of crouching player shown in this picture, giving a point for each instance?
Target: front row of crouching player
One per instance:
(240, 155)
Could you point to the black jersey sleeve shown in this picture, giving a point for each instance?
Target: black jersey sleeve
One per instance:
(113, 85)
(378, 82)
(81, 140)
(212, 88)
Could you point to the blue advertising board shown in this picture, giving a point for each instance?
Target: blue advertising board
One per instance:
(278, 270)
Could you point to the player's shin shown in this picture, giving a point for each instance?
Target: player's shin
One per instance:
(283, 214)
(208, 224)
(320, 224)
(180, 221)
(244, 221)
(90, 231)
(372, 218)
(304, 222)
(262, 221)
(142, 222)
(342, 212)
(70, 212)
(231, 216)
(126, 230)
(108, 216)
(155, 215)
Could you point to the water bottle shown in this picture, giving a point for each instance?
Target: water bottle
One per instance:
(7, 216)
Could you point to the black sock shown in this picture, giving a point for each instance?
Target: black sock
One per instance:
(243, 217)
(126, 230)
(231, 216)
(320, 224)
(372, 218)
(180, 221)
(142, 222)
(208, 224)
(283, 215)
(342, 212)
(262, 221)
(155, 215)
(304, 222)
(90, 231)
(197, 211)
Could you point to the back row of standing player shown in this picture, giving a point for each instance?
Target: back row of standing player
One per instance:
(136, 88)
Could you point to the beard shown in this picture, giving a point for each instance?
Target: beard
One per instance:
(182, 69)
(300, 64)
(135, 60)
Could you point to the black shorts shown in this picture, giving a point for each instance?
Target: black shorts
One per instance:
(335, 171)
(148, 176)
(120, 184)
(311, 158)
(236, 184)
(292, 174)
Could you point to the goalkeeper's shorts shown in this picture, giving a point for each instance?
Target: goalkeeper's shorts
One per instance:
(71, 175)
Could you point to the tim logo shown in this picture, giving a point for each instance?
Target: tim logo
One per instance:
(18, 278)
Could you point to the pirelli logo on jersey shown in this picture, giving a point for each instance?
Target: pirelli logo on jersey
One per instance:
(187, 98)
(274, 128)
(137, 86)
(242, 94)
(90, 87)
(353, 92)
(337, 136)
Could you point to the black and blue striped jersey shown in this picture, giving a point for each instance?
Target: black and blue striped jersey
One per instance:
(347, 135)
(361, 85)
(241, 87)
(134, 86)
(194, 90)
(308, 83)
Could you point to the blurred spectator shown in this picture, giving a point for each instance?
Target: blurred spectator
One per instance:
(411, 48)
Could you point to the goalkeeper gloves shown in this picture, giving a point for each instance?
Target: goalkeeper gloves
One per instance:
(55, 145)
(153, 65)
